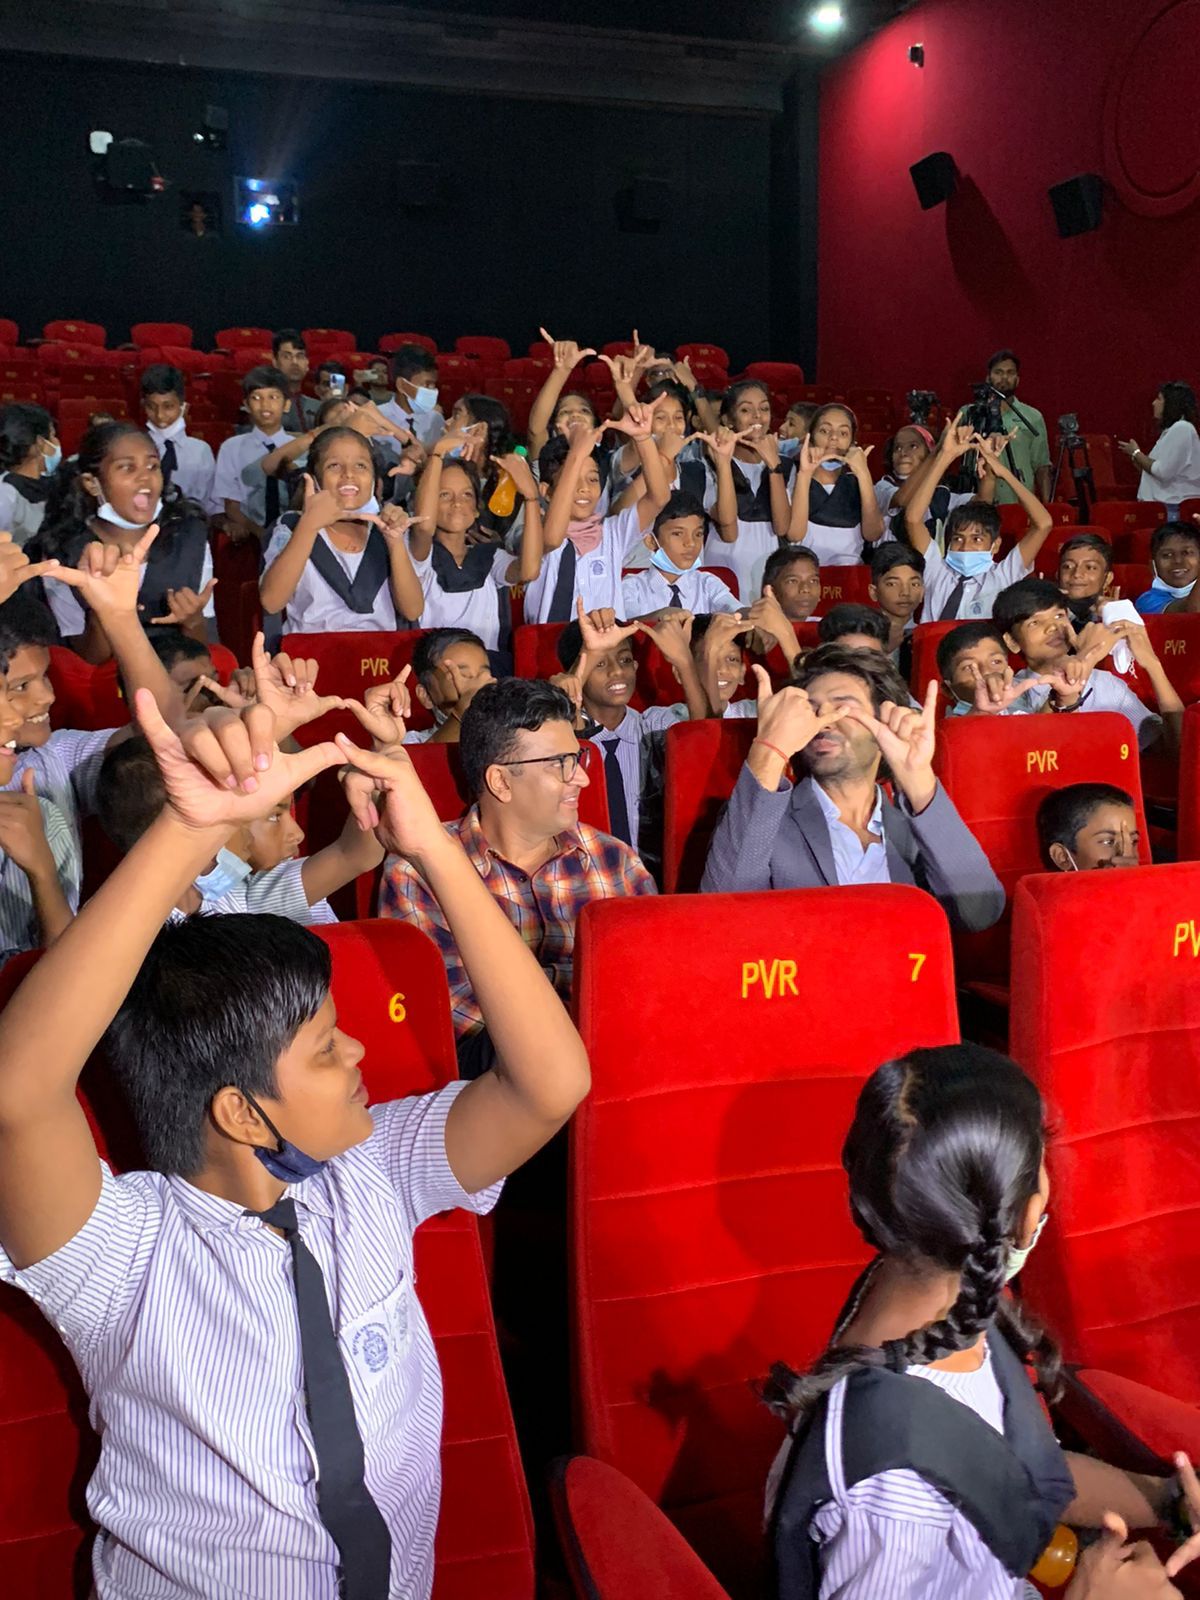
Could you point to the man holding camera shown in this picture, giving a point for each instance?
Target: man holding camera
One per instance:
(1027, 455)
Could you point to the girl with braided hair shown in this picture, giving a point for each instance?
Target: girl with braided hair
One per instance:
(950, 1486)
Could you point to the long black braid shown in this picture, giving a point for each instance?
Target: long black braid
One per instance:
(943, 1156)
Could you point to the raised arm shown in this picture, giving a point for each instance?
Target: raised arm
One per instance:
(562, 497)
(707, 413)
(954, 443)
(1040, 520)
(49, 1169)
(529, 560)
(24, 840)
(567, 356)
(766, 447)
(108, 580)
(638, 424)
(807, 462)
(721, 446)
(541, 1072)
(278, 583)
(872, 517)
(407, 594)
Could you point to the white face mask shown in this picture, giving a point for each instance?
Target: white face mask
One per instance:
(1018, 1255)
(1180, 593)
(424, 399)
(161, 435)
(369, 508)
(105, 511)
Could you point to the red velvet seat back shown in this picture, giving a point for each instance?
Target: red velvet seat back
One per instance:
(1106, 1017)
(243, 338)
(348, 664)
(842, 585)
(389, 985)
(703, 760)
(1119, 516)
(729, 1036)
(149, 335)
(67, 331)
(1188, 838)
(997, 771)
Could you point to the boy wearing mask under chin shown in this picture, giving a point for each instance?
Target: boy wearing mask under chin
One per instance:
(964, 582)
(1088, 826)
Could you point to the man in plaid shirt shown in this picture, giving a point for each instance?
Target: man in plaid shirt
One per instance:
(520, 756)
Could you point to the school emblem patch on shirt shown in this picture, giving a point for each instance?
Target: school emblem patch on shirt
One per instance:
(380, 1337)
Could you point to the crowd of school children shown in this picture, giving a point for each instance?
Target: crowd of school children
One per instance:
(224, 1306)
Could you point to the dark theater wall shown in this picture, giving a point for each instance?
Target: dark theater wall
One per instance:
(528, 232)
(1023, 95)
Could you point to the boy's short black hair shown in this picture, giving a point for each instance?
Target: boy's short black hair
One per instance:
(877, 671)
(672, 387)
(1173, 530)
(850, 617)
(265, 377)
(432, 646)
(975, 513)
(1086, 541)
(551, 458)
(497, 713)
(786, 556)
(130, 791)
(24, 620)
(803, 408)
(163, 379)
(411, 358)
(889, 554)
(1024, 599)
(332, 364)
(1063, 812)
(291, 336)
(965, 637)
(215, 1004)
(1004, 355)
(172, 645)
(680, 504)
(569, 645)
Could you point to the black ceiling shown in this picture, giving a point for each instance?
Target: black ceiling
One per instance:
(763, 21)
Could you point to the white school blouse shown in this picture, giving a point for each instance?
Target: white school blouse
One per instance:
(597, 574)
(314, 608)
(476, 609)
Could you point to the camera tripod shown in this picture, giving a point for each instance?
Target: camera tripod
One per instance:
(1073, 454)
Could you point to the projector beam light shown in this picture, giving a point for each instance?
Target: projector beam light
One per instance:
(827, 20)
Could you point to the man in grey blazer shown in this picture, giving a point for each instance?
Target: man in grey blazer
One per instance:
(847, 714)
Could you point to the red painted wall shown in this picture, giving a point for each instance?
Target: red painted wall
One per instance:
(1023, 94)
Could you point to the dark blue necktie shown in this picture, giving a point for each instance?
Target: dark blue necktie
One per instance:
(344, 1502)
(614, 782)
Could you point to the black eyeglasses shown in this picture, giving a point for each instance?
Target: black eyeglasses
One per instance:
(568, 763)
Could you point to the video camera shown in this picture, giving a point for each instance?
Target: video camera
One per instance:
(1069, 436)
(984, 414)
(920, 403)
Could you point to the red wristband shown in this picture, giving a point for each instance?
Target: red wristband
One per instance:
(774, 748)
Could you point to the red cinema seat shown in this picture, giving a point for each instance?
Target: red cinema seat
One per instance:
(712, 1126)
(1188, 839)
(110, 709)
(1131, 579)
(329, 339)
(1014, 519)
(785, 375)
(842, 584)
(535, 649)
(71, 678)
(617, 1543)
(81, 359)
(1119, 516)
(348, 664)
(997, 771)
(244, 338)
(712, 354)
(9, 332)
(68, 331)
(148, 335)
(483, 347)
(1113, 1041)
(703, 760)
(1046, 562)
(393, 341)
(1133, 544)
(1176, 639)
(439, 767)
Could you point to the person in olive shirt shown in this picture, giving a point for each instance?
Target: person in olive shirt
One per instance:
(1028, 454)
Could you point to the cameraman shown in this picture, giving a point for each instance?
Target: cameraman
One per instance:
(1028, 455)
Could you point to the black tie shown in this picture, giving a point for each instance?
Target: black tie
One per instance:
(170, 462)
(614, 782)
(272, 494)
(950, 610)
(675, 600)
(346, 1508)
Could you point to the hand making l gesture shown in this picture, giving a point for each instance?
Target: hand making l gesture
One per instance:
(385, 709)
(906, 740)
(567, 354)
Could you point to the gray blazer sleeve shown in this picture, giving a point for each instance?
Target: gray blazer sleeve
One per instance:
(952, 866)
(739, 857)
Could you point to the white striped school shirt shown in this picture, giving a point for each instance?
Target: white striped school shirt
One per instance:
(893, 1534)
(180, 1312)
(66, 769)
(279, 891)
(20, 928)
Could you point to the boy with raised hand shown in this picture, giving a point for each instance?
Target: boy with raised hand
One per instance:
(965, 581)
(243, 1313)
(40, 864)
(66, 761)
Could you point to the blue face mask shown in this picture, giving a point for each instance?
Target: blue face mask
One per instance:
(229, 871)
(51, 459)
(425, 399)
(789, 447)
(369, 508)
(660, 559)
(1176, 594)
(968, 563)
(289, 1163)
(106, 512)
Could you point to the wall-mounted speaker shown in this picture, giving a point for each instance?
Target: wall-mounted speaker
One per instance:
(935, 179)
(1078, 204)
